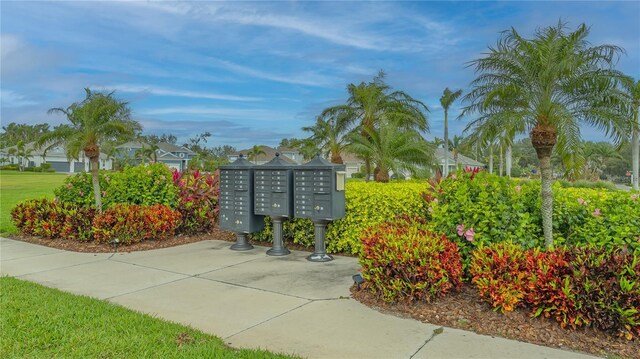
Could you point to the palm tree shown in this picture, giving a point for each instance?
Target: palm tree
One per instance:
(456, 145)
(371, 103)
(148, 152)
(632, 89)
(330, 135)
(391, 148)
(448, 98)
(97, 119)
(22, 153)
(555, 80)
(254, 152)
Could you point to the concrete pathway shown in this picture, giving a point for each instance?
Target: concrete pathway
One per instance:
(283, 304)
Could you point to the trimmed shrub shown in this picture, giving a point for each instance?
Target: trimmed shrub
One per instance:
(403, 261)
(144, 185)
(198, 200)
(130, 223)
(78, 189)
(499, 273)
(52, 219)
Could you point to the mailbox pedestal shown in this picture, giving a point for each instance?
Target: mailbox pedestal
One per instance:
(274, 198)
(319, 195)
(236, 202)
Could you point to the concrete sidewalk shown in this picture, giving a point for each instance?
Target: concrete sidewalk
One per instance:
(283, 304)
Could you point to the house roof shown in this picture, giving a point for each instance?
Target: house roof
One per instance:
(269, 153)
(164, 146)
(462, 159)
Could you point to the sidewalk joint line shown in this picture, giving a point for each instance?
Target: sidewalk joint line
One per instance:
(141, 289)
(433, 335)
(267, 320)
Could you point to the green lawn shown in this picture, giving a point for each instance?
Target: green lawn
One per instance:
(17, 186)
(40, 322)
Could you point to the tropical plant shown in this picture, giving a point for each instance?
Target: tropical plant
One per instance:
(330, 135)
(555, 81)
(371, 103)
(254, 152)
(98, 118)
(22, 152)
(448, 98)
(632, 89)
(392, 149)
(148, 152)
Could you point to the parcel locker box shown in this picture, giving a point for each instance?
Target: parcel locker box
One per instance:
(236, 198)
(319, 190)
(273, 187)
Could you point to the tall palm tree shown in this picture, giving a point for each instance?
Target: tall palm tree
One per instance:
(371, 103)
(330, 135)
(97, 119)
(557, 79)
(632, 89)
(448, 98)
(391, 148)
(255, 152)
(456, 145)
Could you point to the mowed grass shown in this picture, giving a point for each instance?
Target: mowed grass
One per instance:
(40, 322)
(17, 186)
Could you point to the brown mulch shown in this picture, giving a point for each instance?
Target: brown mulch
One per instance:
(465, 310)
(95, 247)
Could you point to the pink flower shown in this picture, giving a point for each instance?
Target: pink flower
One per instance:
(163, 177)
(69, 186)
(460, 229)
(596, 213)
(104, 193)
(634, 197)
(430, 210)
(518, 189)
(582, 202)
(453, 176)
(107, 178)
(81, 193)
(435, 200)
(469, 234)
(149, 172)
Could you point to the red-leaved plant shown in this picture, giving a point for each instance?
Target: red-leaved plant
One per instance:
(198, 200)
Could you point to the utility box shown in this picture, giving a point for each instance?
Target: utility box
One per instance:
(273, 187)
(319, 190)
(236, 198)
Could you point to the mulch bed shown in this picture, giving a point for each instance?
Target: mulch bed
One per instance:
(465, 310)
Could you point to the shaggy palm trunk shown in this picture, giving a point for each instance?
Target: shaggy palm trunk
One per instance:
(508, 160)
(381, 175)
(491, 159)
(543, 138)
(635, 153)
(336, 158)
(501, 162)
(446, 144)
(95, 180)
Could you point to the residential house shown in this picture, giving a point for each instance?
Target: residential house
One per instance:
(290, 155)
(462, 162)
(172, 155)
(55, 156)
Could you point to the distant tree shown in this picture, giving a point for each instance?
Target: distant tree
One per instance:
(22, 153)
(330, 135)
(254, 152)
(447, 99)
(197, 143)
(163, 138)
(149, 151)
(632, 92)
(97, 119)
(14, 133)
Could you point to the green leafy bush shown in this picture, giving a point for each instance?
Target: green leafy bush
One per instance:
(130, 223)
(403, 261)
(143, 185)
(78, 189)
(198, 200)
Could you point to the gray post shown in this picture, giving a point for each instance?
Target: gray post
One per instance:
(242, 244)
(278, 248)
(320, 254)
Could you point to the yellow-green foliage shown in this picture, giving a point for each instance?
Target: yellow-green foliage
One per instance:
(371, 203)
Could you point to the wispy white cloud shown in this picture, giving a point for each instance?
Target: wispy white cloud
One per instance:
(14, 99)
(254, 114)
(160, 91)
(307, 78)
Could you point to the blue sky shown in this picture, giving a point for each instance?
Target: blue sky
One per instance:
(256, 72)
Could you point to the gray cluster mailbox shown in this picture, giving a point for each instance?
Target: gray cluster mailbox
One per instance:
(319, 195)
(274, 198)
(236, 202)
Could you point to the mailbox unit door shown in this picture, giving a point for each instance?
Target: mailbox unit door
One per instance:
(303, 201)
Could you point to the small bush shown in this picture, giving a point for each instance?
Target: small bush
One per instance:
(198, 200)
(499, 273)
(9, 167)
(52, 219)
(403, 261)
(144, 185)
(130, 223)
(78, 189)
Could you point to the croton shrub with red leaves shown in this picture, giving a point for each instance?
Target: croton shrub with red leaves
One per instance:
(52, 219)
(130, 223)
(403, 261)
(198, 200)
(576, 286)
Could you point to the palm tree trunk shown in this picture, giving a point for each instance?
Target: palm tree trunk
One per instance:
(501, 161)
(381, 175)
(547, 200)
(336, 158)
(635, 153)
(491, 159)
(446, 144)
(95, 179)
(509, 160)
